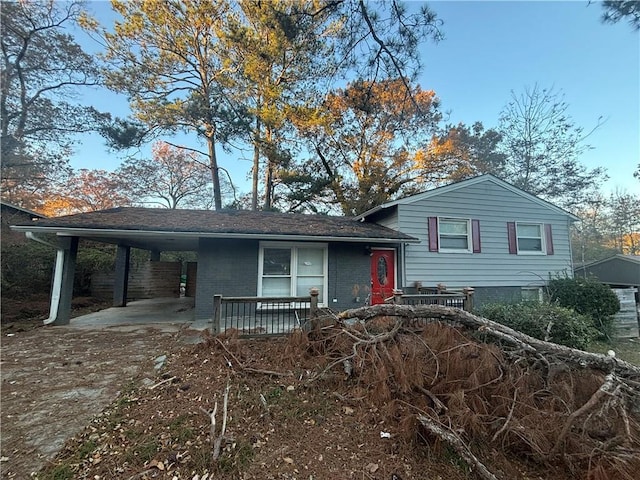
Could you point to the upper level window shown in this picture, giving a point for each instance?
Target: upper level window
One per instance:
(454, 234)
(530, 238)
(291, 270)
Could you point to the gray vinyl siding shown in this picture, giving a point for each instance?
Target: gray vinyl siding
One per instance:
(494, 206)
(388, 218)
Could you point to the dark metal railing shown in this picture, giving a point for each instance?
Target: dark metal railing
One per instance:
(259, 316)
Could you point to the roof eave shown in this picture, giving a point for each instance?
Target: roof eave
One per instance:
(465, 183)
(101, 232)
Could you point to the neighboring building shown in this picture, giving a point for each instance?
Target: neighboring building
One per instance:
(617, 271)
(622, 274)
(12, 215)
(481, 233)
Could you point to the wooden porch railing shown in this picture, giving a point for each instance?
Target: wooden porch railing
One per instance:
(435, 296)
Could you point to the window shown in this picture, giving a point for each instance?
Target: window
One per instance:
(531, 294)
(290, 270)
(530, 238)
(454, 235)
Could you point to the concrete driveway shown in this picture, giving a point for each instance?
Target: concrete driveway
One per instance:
(167, 314)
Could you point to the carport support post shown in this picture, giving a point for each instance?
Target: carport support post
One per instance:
(121, 280)
(69, 245)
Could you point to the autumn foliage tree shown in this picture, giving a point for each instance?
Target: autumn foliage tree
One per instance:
(173, 178)
(459, 152)
(84, 190)
(42, 70)
(366, 140)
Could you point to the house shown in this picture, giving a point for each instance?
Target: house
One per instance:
(239, 253)
(481, 233)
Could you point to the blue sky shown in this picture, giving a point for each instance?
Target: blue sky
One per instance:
(491, 49)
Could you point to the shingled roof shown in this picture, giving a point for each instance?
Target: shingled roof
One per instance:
(125, 221)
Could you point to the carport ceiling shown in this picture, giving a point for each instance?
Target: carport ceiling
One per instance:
(161, 242)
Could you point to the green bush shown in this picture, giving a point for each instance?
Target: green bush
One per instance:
(587, 296)
(544, 321)
(26, 269)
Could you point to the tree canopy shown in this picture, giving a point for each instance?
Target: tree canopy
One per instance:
(42, 69)
(173, 178)
(542, 145)
(366, 140)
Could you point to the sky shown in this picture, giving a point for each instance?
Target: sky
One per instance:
(490, 50)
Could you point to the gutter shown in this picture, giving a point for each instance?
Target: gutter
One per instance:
(115, 233)
(57, 278)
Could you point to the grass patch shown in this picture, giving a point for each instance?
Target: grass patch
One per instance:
(86, 449)
(237, 459)
(627, 349)
(179, 431)
(59, 472)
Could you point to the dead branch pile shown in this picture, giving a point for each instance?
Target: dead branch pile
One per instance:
(482, 388)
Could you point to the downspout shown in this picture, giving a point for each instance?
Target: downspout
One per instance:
(57, 278)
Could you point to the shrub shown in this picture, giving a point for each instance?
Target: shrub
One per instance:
(26, 269)
(587, 296)
(544, 321)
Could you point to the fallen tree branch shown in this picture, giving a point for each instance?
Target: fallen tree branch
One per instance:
(167, 380)
(372, 339)
(501, 332)
(506, 422)
(217, 440)
(458, 445)
(607, 388)
(243, 367)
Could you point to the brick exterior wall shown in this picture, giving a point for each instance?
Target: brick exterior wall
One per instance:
(485, 295)
(225, 267)
(349, 276)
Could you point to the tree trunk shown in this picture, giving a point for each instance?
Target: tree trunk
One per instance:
(213, 165)
(268, 180)
(500, 332)
(256, 166)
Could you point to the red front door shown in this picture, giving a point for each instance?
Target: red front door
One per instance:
(383, 275)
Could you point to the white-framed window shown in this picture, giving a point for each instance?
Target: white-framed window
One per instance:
(454, 235)
(531, 294)
(530, 238)
(292, 269)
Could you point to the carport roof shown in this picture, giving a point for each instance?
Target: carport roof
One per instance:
(164, 229)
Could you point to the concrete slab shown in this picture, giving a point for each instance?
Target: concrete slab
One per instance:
(167, 314)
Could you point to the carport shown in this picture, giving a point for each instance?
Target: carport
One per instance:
(239, 253)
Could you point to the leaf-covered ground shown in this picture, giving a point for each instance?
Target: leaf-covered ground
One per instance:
(357, 420)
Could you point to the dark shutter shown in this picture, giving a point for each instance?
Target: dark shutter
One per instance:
(475, 236)
(433, 234)
(513, 241)
(548, 235)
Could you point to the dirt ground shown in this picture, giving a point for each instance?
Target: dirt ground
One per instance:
(135, 405)
(56, 379)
